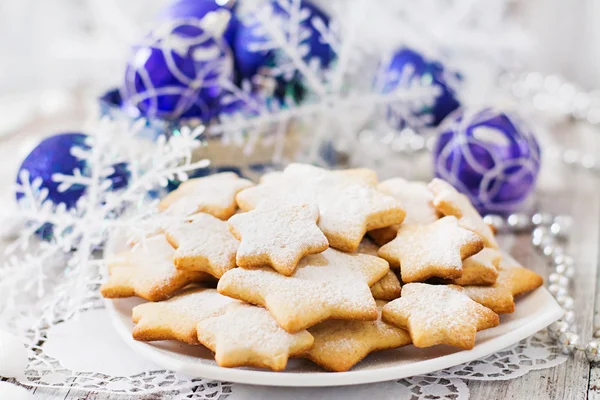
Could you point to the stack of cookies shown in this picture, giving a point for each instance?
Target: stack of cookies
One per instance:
(309, 263)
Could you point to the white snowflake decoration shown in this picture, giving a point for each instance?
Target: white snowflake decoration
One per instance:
(35, 267)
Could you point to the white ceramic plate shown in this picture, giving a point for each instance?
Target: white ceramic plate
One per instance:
(534, 312)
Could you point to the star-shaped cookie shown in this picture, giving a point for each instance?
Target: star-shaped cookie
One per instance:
(277, 236)
(246, 335)
(480, 269)
(433, 250)
(214, 194)
(147, 271)
(339, 345)
(416, 200)
(331, 284)
(348, 204)
(177, 318)
(203, 244)
(450, 202)
(388, 287)
(439, 314)
(512, 281)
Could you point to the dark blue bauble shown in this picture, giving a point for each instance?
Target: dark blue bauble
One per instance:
(174, 72)
(249, 62)
(53, 155)
(178, 9)
(426, 71)
(492, 157)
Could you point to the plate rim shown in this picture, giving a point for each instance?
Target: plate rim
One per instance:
(324, 378)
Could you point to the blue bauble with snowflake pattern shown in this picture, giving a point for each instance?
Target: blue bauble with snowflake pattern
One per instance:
(490, 155)
(175, 72)
(53, 156)
(428, 72)
(251, 34)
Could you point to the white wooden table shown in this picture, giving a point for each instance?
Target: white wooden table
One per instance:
(568, 191)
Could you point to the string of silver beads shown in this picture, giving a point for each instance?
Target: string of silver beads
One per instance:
(548, 235)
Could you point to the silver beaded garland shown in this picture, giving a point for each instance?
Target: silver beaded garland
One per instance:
(592, 351)
(547, 234)
(568, 342)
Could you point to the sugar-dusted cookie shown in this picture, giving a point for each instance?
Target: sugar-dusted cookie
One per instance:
(348, 204)
(480, 269)
(450, 202)
(203, 244)
(147, 271)
(512, 281)
(213, 194)
(339, 345)
(246, 335)
(439, 314)
(364, 175)
(277, 236)
(367, 246)
(387, 288)
(331, 284)
(176, 318)
(433, 250)
(416, 200)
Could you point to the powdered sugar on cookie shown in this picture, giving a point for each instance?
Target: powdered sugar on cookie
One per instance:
(214, 194)
(331, 284)
(277, 236)
(450, 202)
(339, 345)
(203, 244)
(438, 314)
(348, 206)
(416, 200)
(480, 269)
(433, 250)
(246, 335)
(148, 271)
(177, 317)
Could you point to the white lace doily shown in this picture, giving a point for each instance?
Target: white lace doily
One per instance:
(103, 362)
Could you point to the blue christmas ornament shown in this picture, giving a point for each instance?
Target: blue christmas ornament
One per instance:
(180, 9)
(53, 156)
(430, 72)
(489, 155)
(250, 33)
(175, 72)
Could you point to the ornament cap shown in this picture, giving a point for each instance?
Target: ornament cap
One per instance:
(215, 22)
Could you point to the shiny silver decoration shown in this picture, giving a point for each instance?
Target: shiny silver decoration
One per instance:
(558, 279)
(566, 302)
(561, 227)
(557, 328)
(564, 259)
(568, 342)
(568, 317)
(542, 219)
(592, 351)
(563, 269)
(557, 290)
(548, 233)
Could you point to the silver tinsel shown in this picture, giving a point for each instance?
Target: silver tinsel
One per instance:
(548, 232)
